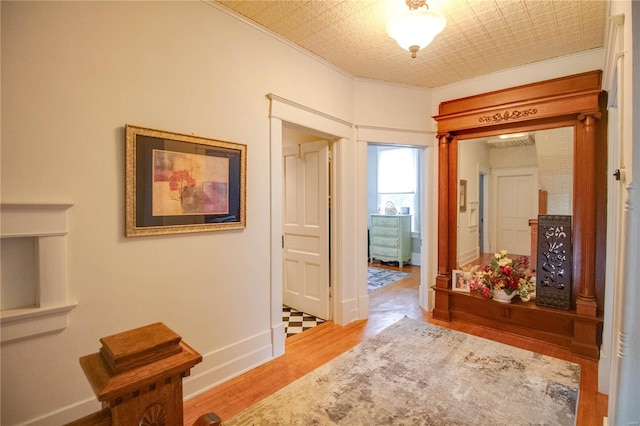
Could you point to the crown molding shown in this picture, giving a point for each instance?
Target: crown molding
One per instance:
(214, 4)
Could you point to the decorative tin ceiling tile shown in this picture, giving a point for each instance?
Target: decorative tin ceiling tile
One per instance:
(482, 36)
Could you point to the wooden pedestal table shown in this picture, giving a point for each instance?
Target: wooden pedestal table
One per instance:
(137, 375)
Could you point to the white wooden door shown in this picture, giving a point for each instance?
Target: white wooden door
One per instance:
(306, 228)
(517, 203)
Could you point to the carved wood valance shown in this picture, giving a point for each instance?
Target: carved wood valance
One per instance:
(553, 99)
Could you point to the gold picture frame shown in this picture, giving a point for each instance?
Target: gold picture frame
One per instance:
(177, 183)
(463, 195)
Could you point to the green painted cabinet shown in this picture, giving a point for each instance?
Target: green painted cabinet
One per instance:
(390, 238)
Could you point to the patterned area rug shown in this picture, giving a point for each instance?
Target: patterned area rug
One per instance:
(381, 277)
(414, 373)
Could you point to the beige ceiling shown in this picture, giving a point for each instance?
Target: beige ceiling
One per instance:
(481, 36)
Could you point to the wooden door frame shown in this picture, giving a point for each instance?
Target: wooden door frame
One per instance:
(339, 134)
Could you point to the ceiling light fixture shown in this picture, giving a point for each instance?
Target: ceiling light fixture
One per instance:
(415, 29)
(511, 140)
(514, 135)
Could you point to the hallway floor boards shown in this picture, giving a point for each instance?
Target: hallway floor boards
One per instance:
(309, 350)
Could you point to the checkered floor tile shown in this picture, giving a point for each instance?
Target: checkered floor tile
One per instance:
(296, 322)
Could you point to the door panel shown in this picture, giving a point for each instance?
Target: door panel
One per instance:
(306, 228)
(516, 205)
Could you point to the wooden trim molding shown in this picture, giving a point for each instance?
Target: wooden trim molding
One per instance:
(576, 101)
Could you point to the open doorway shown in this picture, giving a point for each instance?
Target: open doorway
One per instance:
(283, 114)
(348, 237)
(393, 214)
(306, 230)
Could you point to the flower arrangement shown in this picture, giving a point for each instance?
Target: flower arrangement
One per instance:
(503, 273)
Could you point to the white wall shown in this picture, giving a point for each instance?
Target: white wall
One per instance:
(554, 151)
(391, 106)
(73, 74)
(473, 156)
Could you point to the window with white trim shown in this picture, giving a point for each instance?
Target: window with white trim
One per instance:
(399, 181)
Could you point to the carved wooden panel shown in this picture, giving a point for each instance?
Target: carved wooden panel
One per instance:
(154, 415)
(554, 269)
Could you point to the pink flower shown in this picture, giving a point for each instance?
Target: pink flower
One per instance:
(178, 180)
(506, 270)
(502, 273)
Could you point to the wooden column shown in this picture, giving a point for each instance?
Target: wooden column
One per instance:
(585, 212)
(443, 279)
(585, 332)
(137, 375)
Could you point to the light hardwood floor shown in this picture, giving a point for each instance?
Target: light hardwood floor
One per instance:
(309, 350)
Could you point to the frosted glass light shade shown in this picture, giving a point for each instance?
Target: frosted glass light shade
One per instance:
(415, 29)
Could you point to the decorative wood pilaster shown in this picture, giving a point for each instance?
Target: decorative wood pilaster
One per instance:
(585, 337)
(443, 203)
(443, 279)
(585, 211)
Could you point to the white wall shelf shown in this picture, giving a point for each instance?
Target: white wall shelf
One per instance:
(47, 224)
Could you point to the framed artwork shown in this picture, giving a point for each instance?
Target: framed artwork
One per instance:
(459, 282)
(179, 183)
(463, 195)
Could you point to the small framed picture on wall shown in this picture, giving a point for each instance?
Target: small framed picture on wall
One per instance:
(463, 195)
